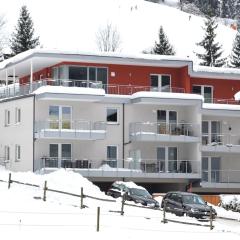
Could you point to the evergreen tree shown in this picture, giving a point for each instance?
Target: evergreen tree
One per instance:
(23, 37)
(235, 56)
(213, 52)
(163, 47)
(224, 9)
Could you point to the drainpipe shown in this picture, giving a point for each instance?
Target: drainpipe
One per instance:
(34, 103)
(31, 76)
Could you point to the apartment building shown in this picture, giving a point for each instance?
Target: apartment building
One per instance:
(150, 119)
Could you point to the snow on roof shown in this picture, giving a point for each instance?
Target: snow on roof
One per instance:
(206, 69)
(130, 184)
(221, 106)
(69, 90)
(167, 95)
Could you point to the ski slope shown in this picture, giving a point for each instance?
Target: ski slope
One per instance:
(72, 25)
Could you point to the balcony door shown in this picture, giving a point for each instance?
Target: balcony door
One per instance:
(211, 167)
(167, 121)
(205, 91)
(60, 117)
(167, 159)
(211, 132)
(160, 83)
(60, 153)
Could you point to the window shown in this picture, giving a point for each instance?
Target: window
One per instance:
(112, 156)
(18, 153)
(85, 76)
(205, 91)
(112, 115)
(17, 115)
(167, 121)
(7, 153)
(212, 132)
(160, 83)
(60, 117)
(7, 117)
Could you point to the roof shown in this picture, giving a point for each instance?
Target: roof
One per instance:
(42, 58)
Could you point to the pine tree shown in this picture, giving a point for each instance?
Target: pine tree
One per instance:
(163, 47)
(235, 56)
(224, 9)
(213, 52)
(23, 37)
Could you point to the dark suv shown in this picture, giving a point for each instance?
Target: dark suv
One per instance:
(192, 205)
(132, 192)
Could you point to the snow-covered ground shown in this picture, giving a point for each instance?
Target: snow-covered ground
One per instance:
(23, 215)
(72, 25)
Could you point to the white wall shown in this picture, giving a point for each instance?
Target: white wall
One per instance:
(20, 133)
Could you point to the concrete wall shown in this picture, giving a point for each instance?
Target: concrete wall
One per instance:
(18, 133)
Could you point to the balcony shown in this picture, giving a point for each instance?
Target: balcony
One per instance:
(221, 178)
(71, 130)
(13, 90)
(163, 132)
(221, 143)
(148, 168)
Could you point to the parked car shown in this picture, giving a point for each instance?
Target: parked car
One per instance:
(132, 192)
(192, 205)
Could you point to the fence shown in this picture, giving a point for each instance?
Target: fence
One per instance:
(123, 203)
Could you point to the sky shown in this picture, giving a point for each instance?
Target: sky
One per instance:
(73, 24)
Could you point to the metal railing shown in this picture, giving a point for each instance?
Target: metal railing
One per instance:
(25, 89)
(74, 128)
(216, 139)
(139, 166)
(221, 101)
(221, 176)
(186, 129)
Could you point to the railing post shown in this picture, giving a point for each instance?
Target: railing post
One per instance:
(164, 212)
(98, 218)
(81, 200)
(122, 207)
(45, 191)
(211, 218)
(9, 180)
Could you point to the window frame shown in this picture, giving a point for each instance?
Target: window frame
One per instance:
(7, 117)
(7, 153)
(108, 159)
(202, 91)
(18, 115)
(160, 87)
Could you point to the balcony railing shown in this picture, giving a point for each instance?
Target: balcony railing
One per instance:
(221, 176)
(77, 129)
(221, 101)
(24, 89)
(146, 166)
(175, 129)
(216, 139)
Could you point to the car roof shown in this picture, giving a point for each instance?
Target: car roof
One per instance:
(182, 193)
(128, 184)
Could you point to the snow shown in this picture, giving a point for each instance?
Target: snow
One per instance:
(24, 215)
(167, 95)
(138, 22)
(215, 106)
(204, 69)
(130, 184)
(69, 90)
(237, 96)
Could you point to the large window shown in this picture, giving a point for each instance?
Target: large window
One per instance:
(167, 121)
(87, 76)
(211, 133)
(205, 91)
(160, 83)
(60, 117)
(112, 115)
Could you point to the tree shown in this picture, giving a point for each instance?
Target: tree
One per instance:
(2, 36)
(163, 47)
(213, 52)
(23, 37)
(235, 56)
(108, 38)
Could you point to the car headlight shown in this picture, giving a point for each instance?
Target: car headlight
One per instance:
(194, 210)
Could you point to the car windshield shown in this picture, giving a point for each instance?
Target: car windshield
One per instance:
(140, 192)
(193, 199)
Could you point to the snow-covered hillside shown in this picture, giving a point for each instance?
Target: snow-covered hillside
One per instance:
(72, 25)
(25, 216)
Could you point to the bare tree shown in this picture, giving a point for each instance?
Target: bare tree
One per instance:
(108, 38)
